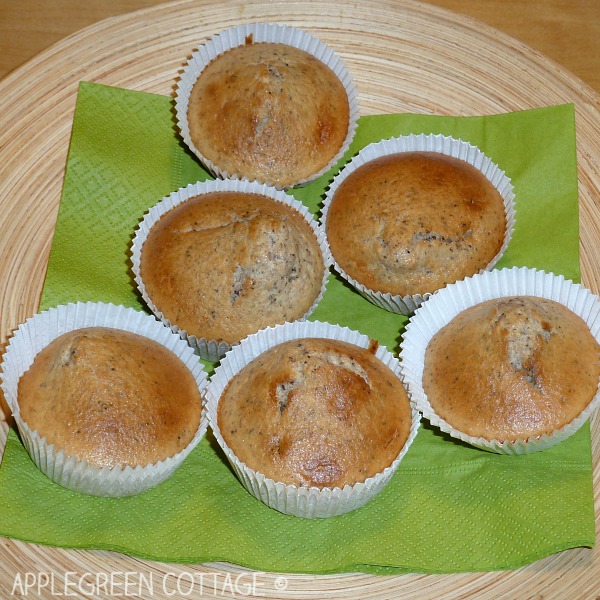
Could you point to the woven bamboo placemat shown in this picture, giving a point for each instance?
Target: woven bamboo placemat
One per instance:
(405, 57)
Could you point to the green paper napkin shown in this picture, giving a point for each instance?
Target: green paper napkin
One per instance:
(449, 508)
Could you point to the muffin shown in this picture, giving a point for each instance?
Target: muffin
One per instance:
(225, 259)
(315, 412)
(403, 223)
(514, 367)
(313, 417)
(108, 401)
(112, 398)
(267, 103)
(506, 360)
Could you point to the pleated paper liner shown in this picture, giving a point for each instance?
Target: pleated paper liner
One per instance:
(449, 146)
(307, 502)
(41, 329)
(443, 306)
(262, 32)
(212, 349)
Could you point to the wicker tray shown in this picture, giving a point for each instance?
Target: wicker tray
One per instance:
(405, 57)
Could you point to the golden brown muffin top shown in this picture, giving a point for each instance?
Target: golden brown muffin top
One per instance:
(410, 223)
(512, 368)
(315, 412)
(269, 112)
(226, 264)
(110, 397)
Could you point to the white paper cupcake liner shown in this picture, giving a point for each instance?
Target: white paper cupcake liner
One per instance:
(456, 148)
(307, 502)
(41, 329)
(441, 308)
(210, 349)
(3, 436)
(261, 32)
